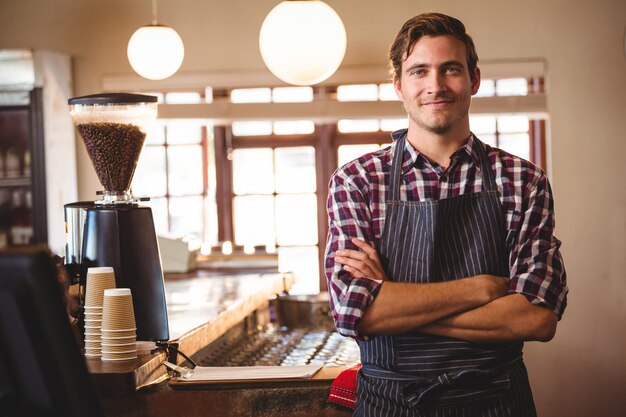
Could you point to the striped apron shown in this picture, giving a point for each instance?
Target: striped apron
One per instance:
(415, 374)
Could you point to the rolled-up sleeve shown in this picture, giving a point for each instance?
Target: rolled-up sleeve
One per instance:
(537, 269)
(349, 216)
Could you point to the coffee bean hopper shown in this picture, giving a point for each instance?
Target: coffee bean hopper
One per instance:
(117, 230)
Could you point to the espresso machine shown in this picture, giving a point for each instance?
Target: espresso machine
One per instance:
(116, 230)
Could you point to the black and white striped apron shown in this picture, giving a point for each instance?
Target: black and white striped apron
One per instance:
(415, 374)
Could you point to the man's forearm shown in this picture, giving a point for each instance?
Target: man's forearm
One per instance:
(402, 307)
(509, 318)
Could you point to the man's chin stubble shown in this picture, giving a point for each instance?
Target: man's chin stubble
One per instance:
(437, 129)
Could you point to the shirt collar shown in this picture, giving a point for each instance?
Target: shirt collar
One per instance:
(470, 149)
(411, 154)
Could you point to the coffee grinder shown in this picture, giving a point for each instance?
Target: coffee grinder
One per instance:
(116, 230)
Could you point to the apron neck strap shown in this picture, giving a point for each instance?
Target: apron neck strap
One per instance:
(489, 182)
(396, 167)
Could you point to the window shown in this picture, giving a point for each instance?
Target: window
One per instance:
(173, 171)
(275, 204)
(518, 134)
(509, 133)
(274, 188)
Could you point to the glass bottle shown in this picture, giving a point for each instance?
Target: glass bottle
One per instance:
(21, 225)
(12, 163)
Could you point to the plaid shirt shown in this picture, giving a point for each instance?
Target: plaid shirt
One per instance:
(356, 208)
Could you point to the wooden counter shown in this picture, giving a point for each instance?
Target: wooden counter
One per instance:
(293, 399)
(202, 307)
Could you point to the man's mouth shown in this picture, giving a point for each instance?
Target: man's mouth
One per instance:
(438, 103)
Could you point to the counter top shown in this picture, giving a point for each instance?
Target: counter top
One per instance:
(196, 301)
(201, 307)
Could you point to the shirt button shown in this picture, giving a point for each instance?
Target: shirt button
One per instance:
(443, 178)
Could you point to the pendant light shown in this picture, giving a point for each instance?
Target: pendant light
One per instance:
(302, 42)
(155, 51)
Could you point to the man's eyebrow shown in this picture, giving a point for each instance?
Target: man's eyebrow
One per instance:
(446, 64)
(453, 63)
(415, 66)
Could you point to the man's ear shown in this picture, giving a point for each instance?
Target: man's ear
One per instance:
(475, 81)
(397, 87)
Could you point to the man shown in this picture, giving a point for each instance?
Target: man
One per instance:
(441, 258)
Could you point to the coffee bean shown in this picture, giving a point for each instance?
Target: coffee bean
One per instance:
(114, 150)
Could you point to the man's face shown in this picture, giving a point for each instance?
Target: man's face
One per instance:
(435, 85)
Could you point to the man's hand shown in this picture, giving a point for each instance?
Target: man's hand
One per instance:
(361, 264)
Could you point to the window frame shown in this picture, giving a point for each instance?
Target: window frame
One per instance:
(326, 141)
(324, 111)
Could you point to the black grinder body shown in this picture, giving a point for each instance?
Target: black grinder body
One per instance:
(123, 237)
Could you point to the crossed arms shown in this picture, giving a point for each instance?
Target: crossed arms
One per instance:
(477, 309)
(524, 306)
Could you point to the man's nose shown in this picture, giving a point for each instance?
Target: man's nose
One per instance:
(436, 83)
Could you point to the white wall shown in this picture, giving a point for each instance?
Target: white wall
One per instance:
(582, 372)
(54, 73)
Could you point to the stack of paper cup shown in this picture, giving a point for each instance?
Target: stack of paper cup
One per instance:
(98, 280)
(119, 332)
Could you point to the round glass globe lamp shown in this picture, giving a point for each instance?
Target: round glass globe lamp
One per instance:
(302, 42)
(155, 52)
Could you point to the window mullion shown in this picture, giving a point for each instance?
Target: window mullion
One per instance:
(537, 138)
(325, 163)
(167, 181)
(361, 138)
(205, 180)
(224, 185)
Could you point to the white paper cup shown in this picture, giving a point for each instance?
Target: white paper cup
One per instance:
(133, 344)
(117, 292)
(99, 269)
(98, 280)
(118, 313)
(125, 357)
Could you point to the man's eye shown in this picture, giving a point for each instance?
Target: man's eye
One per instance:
(417, 72)
(453, 70)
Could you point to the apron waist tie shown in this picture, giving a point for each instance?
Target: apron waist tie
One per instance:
(418, 389)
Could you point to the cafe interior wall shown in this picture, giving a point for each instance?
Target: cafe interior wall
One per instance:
(582, 371)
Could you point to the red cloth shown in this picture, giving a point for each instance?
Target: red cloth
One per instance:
(343, 388)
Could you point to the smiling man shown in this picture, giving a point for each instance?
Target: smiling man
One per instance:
(441, 259)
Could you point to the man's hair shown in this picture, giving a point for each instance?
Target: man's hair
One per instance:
(429, 24)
